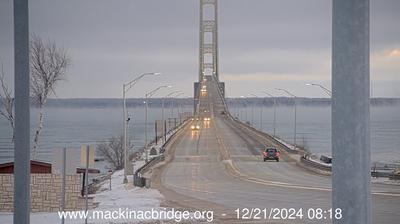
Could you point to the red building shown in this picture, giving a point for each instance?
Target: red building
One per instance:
(36, 167)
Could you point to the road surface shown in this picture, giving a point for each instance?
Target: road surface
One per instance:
(221, 164)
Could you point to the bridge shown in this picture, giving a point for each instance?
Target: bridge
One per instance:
(220, 166)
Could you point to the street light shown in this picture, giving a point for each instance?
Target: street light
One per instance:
(236, 106)
(326, 90)
(245, 106)
(148, 95)
(125, 88)
(295, 114)
(274, 124)
(172, 103)
(252, 110)
(166, 96)
(162, 111)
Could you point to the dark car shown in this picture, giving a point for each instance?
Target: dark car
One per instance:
(271, 154)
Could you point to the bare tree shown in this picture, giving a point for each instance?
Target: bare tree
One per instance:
(113, 151)
(48, 66)
(6, 103)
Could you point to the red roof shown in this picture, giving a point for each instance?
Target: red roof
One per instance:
(36, 167)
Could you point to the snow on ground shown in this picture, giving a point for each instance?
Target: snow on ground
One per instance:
(385, 180)
(121, 196)
(288, 145)
(124, 196)
(127, 196)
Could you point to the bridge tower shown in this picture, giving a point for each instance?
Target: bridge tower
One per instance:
(208, 46)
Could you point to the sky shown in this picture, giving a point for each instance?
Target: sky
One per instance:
(263, 45)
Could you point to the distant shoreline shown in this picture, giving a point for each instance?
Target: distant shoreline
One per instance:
(157, 102)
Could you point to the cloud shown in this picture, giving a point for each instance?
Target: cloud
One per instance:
(274, 42)
(269, 77)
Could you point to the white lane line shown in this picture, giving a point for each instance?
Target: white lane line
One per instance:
(288, 185)
(280, 184)
(190, 189)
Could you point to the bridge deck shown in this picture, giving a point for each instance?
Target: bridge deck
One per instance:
(221, 164)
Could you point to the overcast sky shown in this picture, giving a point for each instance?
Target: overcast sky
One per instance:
(264, 44)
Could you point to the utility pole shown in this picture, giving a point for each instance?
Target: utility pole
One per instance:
(147, 96)
(22, 113)
(351, 175)
(295, 115)
(274, 98)
(125, 88)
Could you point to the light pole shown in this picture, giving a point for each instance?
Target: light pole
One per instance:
(295, 114)
(274, 124)
(172, 97)
(125, 88)
(236, 104)
(162, 110)
(252, 111)
(326, 90)
(172, 102)
(149, 94)
(245, 106)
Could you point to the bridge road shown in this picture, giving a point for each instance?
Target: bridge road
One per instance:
(199, 170)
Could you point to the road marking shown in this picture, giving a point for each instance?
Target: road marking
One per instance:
(244, 177)
(190, 189)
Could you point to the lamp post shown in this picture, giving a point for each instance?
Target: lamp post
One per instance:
(125, 88)
(237, 109)
(252, 111)
(178, 94)
(162, 110)
(326, 90)
(295, 114)
(172, 102)
(148, 95)
(274, 124)
(245, 106)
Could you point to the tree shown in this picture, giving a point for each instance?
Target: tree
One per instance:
(6, 103)
(48, 66)
(113, 151)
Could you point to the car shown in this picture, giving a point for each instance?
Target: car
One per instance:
(271, 154)
(195, 127)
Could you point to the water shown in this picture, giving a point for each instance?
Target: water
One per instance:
(313, 128)
(72, 127)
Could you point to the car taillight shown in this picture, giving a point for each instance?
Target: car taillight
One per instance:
(277, 154)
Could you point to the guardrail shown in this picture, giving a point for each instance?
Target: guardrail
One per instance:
(314, 164)
(216, 80)
(139, 180)
(266, 135)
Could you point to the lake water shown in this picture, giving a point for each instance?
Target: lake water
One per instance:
(313, 128)
(72, 127)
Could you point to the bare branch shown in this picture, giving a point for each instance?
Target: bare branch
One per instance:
(6, 102)
(113, 151)
(48, 66)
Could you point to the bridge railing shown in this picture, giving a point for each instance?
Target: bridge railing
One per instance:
(139, 179)
(216, 80)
